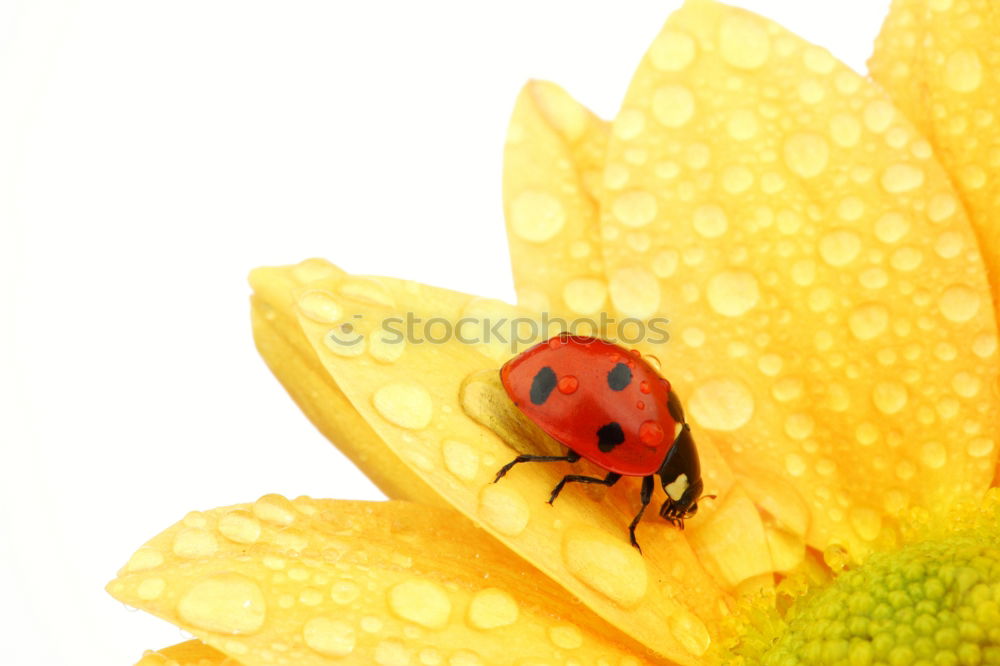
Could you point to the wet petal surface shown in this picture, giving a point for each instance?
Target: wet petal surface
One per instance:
(322, 582)
(830, 318)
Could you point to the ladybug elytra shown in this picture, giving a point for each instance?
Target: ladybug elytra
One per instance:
(613, 408)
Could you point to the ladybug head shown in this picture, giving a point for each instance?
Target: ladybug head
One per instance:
(682, 498)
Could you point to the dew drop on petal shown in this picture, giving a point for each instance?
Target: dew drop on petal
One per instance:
(672, 51)
(839, 248)
(733, 293)
(320, 306)
(866, 522)
(806, 154)
(634, 209)
(902, 178)
(274, 509)
(344, 592)
(565, 636)
(151, 589)
(193, 543)
(536, 216)
(420, 601)
(933, 455)
(329, 637)
(226, 603)
(889, 397)
(963, 71)
(503, 509)
(605, 564)
(405, 404)
(492, 608)
(144, 559)
(710, 221)
(460, 459)
(721, 404)
(673, 105)
(868, 321)
(959, 303)
(239, 526)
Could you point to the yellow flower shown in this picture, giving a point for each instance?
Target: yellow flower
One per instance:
(817, 243)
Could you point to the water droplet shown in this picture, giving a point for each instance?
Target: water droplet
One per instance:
(504, 509)
(344, 592)
(585, 295)
(673, 105)
(635, 292)
(963, 71)
(840, 247)
(818, 60)
(193, 543)
(804, 272)
(787, 389)
(866, 522)
(942, 206)
(151, 588)
(536, 216)
(690, 632)
(845, 130)
(665, 263)
(891, 227)
(606, 564)
(226, 603)
(850, 208)
(878, 115)
(733, 293)
(329, 637)
(405, 404)
(240, 526)
(460, 459)
(144, 559)
(806, 154)
(966, 384)
(902, 178)
(565, 636)
(868, 321)
(710, 221)
(736, 179)
(985, 345)
(568, 384)
(949, 244)
(795, 464)
(629, 124)
(492, 608)
(274, 509)
(769, 364)
(634, 209)
(836, 557)
(980, 447)
(672, 51)
(650, 433)
(387, 349)
(371, 624)
(420, 601)
(311, 270)
(743, 41)
(873, 278)
(742, 124)
(959, 303)
(320, 305)
(889, 397)
(344, 341)
(933, 455)
(799, 426)
(722, 404)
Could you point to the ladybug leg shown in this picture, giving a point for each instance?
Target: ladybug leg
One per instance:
(571, 457)
(610, 480)
(646, 496)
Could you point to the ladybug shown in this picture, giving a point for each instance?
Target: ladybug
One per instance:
(610, 406)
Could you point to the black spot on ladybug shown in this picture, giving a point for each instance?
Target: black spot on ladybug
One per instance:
(609, 436)
(542, 385)
(619, 377)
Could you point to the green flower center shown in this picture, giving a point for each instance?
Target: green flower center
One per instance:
(934, 602)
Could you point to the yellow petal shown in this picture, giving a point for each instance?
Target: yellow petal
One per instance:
(939, 60)
(312, 582)
(411, 399)
(831, 327)
(189, 653)
(291, 358)
(553, 165)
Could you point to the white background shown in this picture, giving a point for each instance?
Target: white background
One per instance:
(151, 153)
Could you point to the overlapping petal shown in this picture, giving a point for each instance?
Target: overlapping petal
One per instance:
(553, 164)
(940, 62)
(407, 388)
(817, 269)
(312, 582)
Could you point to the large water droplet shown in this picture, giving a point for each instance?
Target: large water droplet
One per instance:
(721, 404)
(194, 543)
(839, 248)
(889, 397)
(634, 209)
(673, 105)
(420, 601)
(492, 608)
(320, 305)
(240, 526)
(868, 321)
(406, 404)
(690, 632)
(605, 564)
(460, 459)
(733, 293)
(959, 303)
(329, 637)
(274, 509)
(710, 221)
(503, 509)
(933, 455)
(344, 592)
(536, 216)
(902, 178)
(227, 603)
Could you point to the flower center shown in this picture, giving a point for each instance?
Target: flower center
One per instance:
(932, 602)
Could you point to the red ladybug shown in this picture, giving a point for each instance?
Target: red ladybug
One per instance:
(613, 408)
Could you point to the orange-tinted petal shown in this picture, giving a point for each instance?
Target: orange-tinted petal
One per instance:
(291, 358)
(553, 165)
(831, 322)
(189, 653)
(409, 393)
(940, 62)
(311, 582)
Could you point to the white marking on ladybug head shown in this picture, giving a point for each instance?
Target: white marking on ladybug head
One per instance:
(675, 489)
